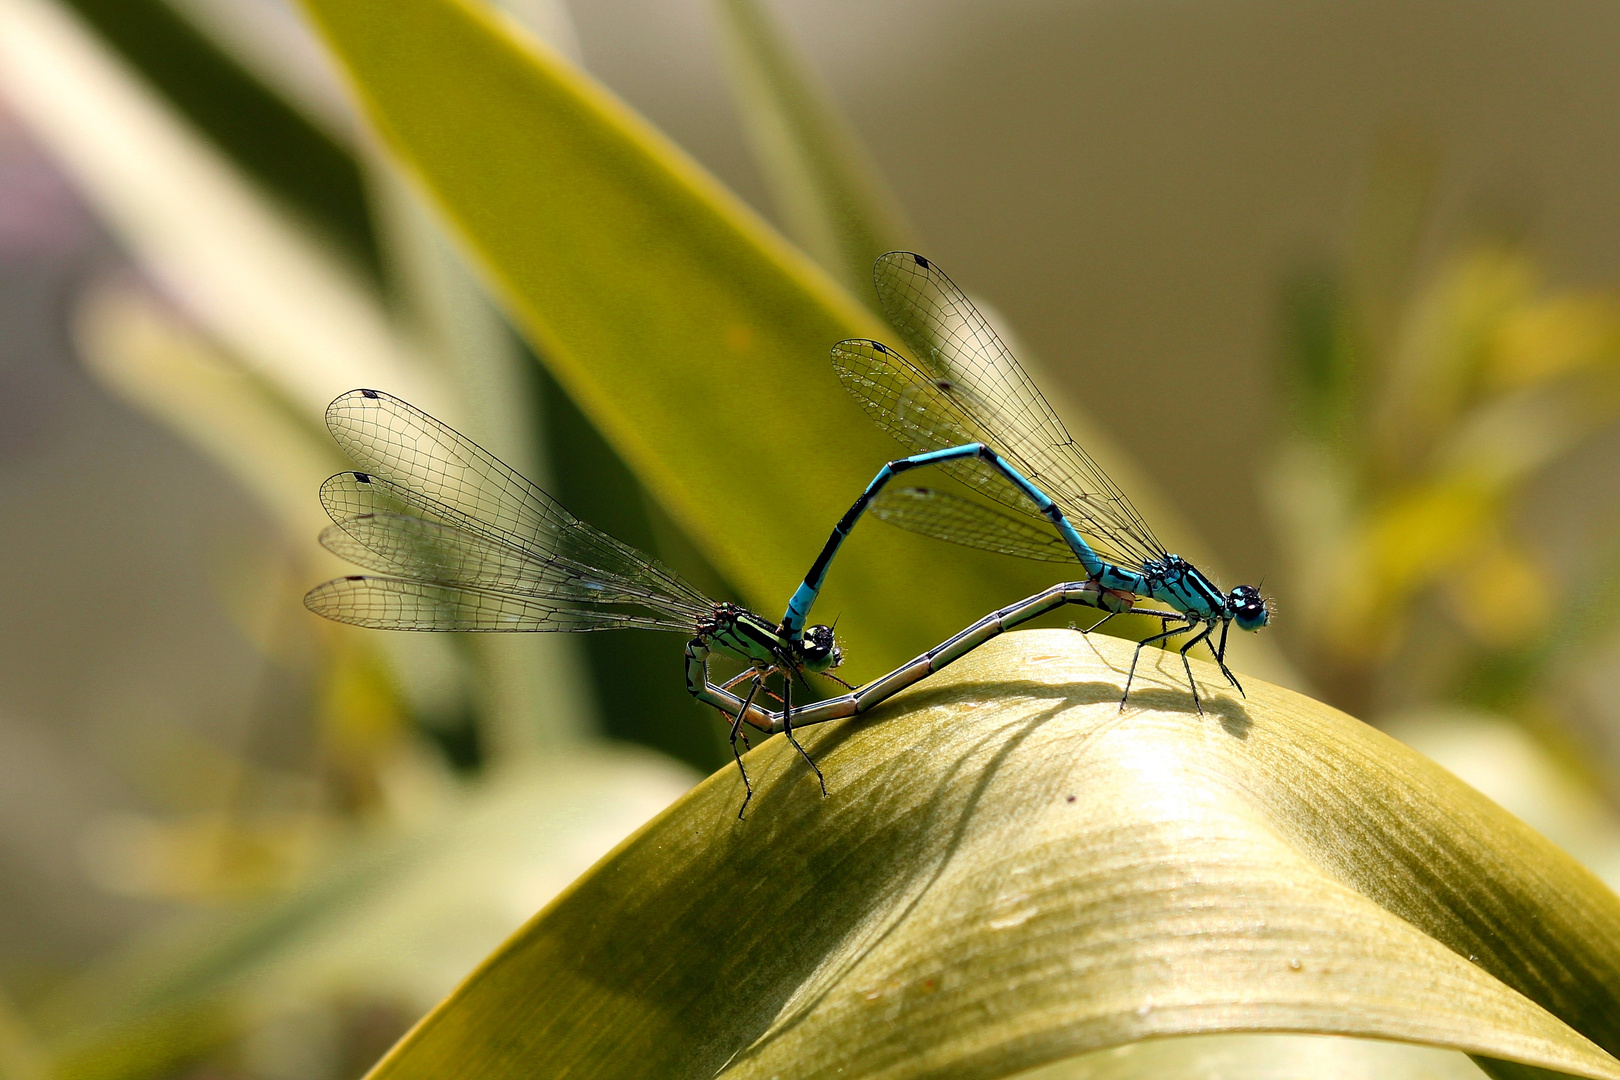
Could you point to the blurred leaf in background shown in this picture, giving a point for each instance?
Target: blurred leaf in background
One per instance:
(1443, 496)
(282, 270)
(829, 195)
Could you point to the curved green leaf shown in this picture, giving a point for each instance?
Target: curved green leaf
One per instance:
(1012, 870)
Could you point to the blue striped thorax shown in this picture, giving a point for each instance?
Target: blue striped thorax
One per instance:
(1177, 582)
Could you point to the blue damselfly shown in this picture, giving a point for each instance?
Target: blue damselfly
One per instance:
(967, 405)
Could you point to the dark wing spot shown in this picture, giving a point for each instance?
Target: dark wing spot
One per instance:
(364, 478)
(355, 577)
(945, 385)
(372, 394)
(922, 262)
(880, 347)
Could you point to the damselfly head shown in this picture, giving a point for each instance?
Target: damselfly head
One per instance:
(1249, 609)
(819, 649)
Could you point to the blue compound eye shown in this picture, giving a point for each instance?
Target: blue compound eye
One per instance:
(1249, 609)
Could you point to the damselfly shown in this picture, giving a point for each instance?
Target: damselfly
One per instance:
(463, 542)
(968, 406)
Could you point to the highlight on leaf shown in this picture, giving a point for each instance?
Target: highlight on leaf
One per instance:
(1009, 871)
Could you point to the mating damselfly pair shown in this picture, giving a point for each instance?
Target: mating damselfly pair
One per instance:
(463, 542)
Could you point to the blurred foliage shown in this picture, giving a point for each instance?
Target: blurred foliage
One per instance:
(831, 199)
(384, 922)
(247, 220)
(286, 152)
(1436, 382)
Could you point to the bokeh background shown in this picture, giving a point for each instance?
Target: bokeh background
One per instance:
(1340, 279)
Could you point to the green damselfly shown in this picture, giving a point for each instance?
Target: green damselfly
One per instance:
(460, 541)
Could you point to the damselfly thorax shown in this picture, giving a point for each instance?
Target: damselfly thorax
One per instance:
(756, 641)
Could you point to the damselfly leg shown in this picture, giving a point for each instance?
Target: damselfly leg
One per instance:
(1187, 664)
(745, 673)
(787, 729)
(836, 679)
(736, 733)
(1137, 655)
(1220, 658)
(1098, 624)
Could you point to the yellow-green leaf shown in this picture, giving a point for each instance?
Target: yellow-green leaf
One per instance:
(1012, 870)
(1262, 1057)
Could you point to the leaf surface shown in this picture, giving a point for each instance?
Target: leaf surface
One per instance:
(1011, 870)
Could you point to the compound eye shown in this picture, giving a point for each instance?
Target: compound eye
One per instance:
(1249, 608)
(818, 641)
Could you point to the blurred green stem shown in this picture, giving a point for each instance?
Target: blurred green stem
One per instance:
(536, 691)
(828, 191)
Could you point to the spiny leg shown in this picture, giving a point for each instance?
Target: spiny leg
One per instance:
(751, 673)
(1098, 624)
(840, 682)
(1220, 658)
(1185, 663)
(737, 678)
(1137, 655)
(787, 729)
(736, 730)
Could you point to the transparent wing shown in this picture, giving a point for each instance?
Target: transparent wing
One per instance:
(904, 401)
(967, 360)
(925, 413)
(429, 470)
(944, 516)
(434, 553)
(392, 604)
(414, 538)
(349, 495)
